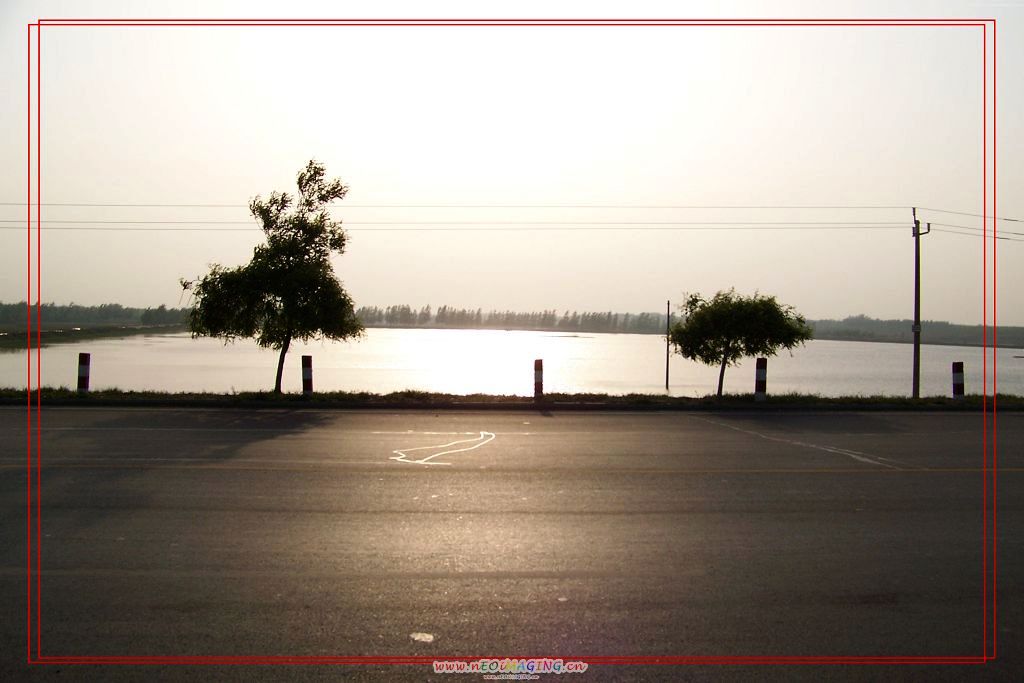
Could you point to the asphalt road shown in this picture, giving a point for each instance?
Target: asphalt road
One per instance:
(571, 535)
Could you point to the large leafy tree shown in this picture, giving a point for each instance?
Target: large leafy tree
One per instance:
(729, 327)
(288, 291)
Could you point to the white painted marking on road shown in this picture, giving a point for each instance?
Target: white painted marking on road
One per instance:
(422, 637)
(856, 455)
(401, 453)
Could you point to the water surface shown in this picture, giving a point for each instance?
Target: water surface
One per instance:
(501, 362)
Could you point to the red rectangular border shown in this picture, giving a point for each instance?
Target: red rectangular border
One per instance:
(988, 509)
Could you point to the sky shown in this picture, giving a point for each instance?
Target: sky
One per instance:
(526, 168)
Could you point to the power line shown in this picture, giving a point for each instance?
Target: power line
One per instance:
(976, 215)
(251, 223)
(536, 206)
(970, 227)
(467, 229)
(500, 228)
(481, 206)
(973, 234)
(186, 206)
(441, 226)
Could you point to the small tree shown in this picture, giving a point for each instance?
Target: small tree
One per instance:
(288, 290)
(730, 327)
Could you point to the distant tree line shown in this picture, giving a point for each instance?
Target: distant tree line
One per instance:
(548, 320)
(863, 328)
(853, 328)
(12, 316)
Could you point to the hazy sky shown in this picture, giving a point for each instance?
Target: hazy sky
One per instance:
(508, 118)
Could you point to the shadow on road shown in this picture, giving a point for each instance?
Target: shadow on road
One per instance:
(97, 463)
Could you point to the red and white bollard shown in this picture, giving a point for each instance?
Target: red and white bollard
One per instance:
(307, 375)
(761, 380)
(538, 379)
(958, 379)
(83, 371)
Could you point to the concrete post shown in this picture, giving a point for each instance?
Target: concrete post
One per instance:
(83, 371)
(307, 375)
(538, 380)
(761, 380)
(958, 379)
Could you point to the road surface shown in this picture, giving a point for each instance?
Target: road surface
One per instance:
(572, 535)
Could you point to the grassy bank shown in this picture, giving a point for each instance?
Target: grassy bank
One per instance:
(433, 401)
(17, 341)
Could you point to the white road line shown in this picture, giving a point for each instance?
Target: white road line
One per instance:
(401, 453)
(856, 455)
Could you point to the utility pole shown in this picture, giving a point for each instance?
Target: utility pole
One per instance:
(917, 302)
(668, 331)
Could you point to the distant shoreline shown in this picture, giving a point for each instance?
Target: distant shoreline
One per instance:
(72, 322)
(13, 341)
(17, 340)
(567, 333)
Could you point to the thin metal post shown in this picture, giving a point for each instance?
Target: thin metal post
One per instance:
(916, 389)
(668, 331)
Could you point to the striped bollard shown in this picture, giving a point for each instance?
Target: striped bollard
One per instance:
(307, 375)
(958, 379)
(538, 380)
(83, 371)
(761, 380)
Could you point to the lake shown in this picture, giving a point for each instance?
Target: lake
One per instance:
(501, 362)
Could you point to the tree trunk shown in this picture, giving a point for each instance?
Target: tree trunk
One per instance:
(721, 377)
(280, 363)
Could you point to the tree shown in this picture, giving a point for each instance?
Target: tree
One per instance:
(288, 290)
(162, 316)
(730, 327)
